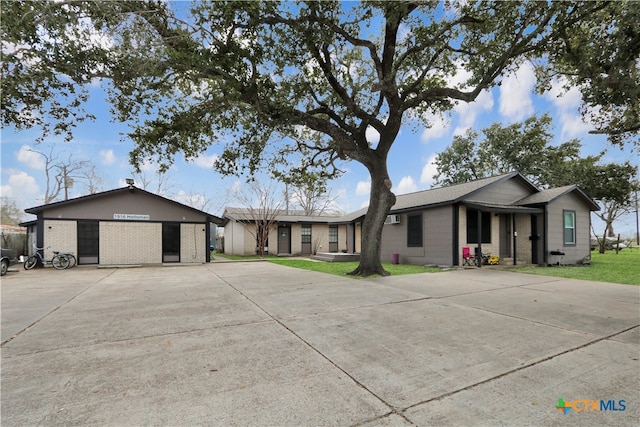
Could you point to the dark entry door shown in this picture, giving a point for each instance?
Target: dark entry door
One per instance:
(505, 236)
(88, 242)
(535, 240)
(305, 239)
(284, 239)
(170, 242)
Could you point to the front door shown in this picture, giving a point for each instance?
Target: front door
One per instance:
(88, 234)
(284, 239)
(505, 236)
(170, 242)
(535, 240)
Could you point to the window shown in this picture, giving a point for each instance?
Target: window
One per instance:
(414, 231)
(472, 226)
(569, 227)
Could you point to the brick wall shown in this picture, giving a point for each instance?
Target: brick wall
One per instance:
(130, 243)
(192, 243)
(61, 236)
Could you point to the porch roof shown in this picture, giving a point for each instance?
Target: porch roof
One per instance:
(494, 207)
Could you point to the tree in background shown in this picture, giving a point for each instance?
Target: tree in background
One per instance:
(613, 186)
(312, 194)
(63, 171)
(600, 57)
(525, 147)
(261, 207)
(10, 214)
(261, 74)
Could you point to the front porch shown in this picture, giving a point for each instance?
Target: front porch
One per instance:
(335, 257)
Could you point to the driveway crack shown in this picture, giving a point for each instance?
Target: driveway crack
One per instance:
(392, 409)
(521, 368)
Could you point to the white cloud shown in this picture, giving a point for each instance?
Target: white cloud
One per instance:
(428, 171)
(372, 135)
(20, 185)
(148, 166)
(30, 158)
(205, 162)
(439, 127)
(406, 185)
(107, 157)
(515, 93)
(363, 188)
(567, 103)
(468, 112)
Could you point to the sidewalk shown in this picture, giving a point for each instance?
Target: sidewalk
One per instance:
(261, 344)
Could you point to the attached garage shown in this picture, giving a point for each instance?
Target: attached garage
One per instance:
(122, 227)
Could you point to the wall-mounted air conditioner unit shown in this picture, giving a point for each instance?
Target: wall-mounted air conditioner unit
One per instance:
(392, 219)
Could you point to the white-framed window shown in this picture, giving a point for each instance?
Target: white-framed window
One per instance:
(569, 227)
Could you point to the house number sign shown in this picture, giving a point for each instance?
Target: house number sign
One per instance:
(131, 217)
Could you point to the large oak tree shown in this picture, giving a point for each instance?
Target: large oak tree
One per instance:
(272, 77)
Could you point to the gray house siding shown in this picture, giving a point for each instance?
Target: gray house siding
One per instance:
(573, 254)
(436, 238)
(504, 192)
(129, 202)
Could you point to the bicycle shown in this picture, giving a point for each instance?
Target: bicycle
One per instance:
(58, 261)
(72, 258)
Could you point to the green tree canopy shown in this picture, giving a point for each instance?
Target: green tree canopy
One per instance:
(601, 56)
(271, 78)
(525, 147)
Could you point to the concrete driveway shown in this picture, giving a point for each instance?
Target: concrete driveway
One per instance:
(260, 344)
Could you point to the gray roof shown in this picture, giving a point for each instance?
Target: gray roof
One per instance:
(83, 199)
(435, 197)
(246, 214)
(549, 195)
(449, 194)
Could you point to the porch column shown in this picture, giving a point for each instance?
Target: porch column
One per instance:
(515, 239)
(479, 232)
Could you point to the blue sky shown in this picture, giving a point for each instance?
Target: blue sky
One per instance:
(195, 182)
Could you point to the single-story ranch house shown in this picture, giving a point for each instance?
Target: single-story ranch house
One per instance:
(294, 233)
(506, 216)
(122, 226)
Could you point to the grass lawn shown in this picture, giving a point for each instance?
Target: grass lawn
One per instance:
(623, 267)
(342, 268)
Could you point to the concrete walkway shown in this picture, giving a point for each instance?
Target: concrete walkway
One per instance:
(256, 344)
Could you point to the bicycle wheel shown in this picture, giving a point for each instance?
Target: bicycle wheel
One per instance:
(72, 260)
(31, 262)
(60, 262)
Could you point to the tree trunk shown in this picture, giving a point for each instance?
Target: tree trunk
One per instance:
(380, 202)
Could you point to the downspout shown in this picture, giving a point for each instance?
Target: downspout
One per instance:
(40, 233)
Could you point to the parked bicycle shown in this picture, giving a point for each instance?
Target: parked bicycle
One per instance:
(59, 261)
(72, 258)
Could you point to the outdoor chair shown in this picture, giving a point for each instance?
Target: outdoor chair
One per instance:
(467, 258)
